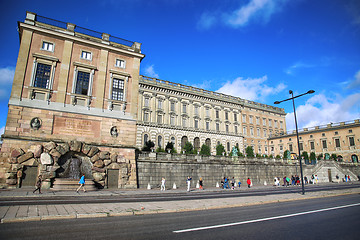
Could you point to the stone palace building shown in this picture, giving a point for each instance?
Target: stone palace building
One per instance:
(79, 104)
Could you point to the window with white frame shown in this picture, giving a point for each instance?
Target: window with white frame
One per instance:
(146, 116)
(281, 124)
(172, 120)
(82, 83)
(47, 46)
(42, 75)
(120, 63)
(275, 124)
(172, 106)
(196, 108)
(265, 133)
(207, 112)
(196, 123)
(159, 118)
(251, 119)
(257, 120)
(117, 92)
(244, 130)
(207, 125)
(217, 113)
(258, 132)
(244, 118)
(236, 129)
(184, 107)
(235, 117)
(86, 55)
(146, 102)
(160, 103)
(226, 116)
(227, 128)
(270, 122)
(184, 122)
(217, 127)
(251, 131)
(351, 141)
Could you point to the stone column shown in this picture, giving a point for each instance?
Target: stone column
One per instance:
(64, 72)
(21, 65)
(101, 85)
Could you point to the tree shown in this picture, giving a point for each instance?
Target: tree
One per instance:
(320, 156)
(169, 146)
(189, 149)
(278, 156)
(333, 156)
(312, 156)
(148, 146)
(205, 150)
(305, 155)
(258, 155)
(249, 152)
(286, 154)
(220, 149)
(159, 149)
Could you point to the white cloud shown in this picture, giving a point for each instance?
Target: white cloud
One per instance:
(291, 70)
(321, 110)
(6, 75)
(254, 10)
(250, 88)
(207, 20)
(355, 83)
(150, 72)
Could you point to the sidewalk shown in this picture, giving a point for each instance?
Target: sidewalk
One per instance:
(68, 211)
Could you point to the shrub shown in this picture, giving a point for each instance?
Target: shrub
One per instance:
(189, 149)
(148, 146)
(305, 155)
(220, 149)
(249, 152)
(205, 150)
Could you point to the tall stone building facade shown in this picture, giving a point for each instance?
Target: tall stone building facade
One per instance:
(74, 90)
(341, 139)
(172, 112)
(78, 101)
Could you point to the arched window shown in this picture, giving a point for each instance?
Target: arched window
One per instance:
(146, 138)
(184, 139)
(173, 140)
(160, 141)
(208, 142)
(196, 144)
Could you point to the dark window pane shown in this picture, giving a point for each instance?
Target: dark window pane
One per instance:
(42, 76)
(118, 89)
(82, 83)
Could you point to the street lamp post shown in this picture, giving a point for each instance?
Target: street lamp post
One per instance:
(297, 132)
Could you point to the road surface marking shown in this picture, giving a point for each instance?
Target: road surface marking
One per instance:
(264, 219)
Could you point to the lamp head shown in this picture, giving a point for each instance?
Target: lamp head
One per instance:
(290, 91)
(277, 102)
(310, 91)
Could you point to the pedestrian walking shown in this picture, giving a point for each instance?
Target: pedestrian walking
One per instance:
(82, 183)
(188, 182)
(233, 183)
(38, 185)
(19, 175)
(248, 182)
(162, 184)
(201, 183)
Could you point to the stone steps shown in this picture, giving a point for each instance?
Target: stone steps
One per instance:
(72, 184)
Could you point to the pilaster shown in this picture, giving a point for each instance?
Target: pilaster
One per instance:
(64, 71)
(101, 79)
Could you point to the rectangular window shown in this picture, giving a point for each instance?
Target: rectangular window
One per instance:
(172, 120)
(207, 112)
(251, 119)
(118, 89)
(42, 77)
(196, 110)
(312, 145)
(86, 55)
(184, 107)
(337, 142)
(217, 127)
(258, 132)
(281, 148)
(159, 119)
(264, 121)
(207, 125)
(270, 122)
(324, 144)
(265, 133)
(227, 128)
(47, 46)
(146, 102)
(244, 130)
(351, 141)
(226, 116)
(184, 122)
(275, 123)
(244, 118)
(146, 116)
(251, 131)
(290, 148)
(236, 129)
(235, 117)
(82, 83)
(120, 63)
(301, 146)
(257, 120)
(281, 124)
(160, 104)
(172, 106)
(217, 113)
(196, 123)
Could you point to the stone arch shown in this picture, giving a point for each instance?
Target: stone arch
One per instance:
(354, 158)
(184, 139)
(197, 144)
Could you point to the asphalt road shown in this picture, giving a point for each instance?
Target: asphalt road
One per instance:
(325, 218)
(168, 196)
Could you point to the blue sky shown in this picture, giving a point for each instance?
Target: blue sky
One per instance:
(253, 49)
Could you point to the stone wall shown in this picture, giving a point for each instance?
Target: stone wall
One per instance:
(176, 167)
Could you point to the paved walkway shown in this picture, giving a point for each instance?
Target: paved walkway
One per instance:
(67, 211)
